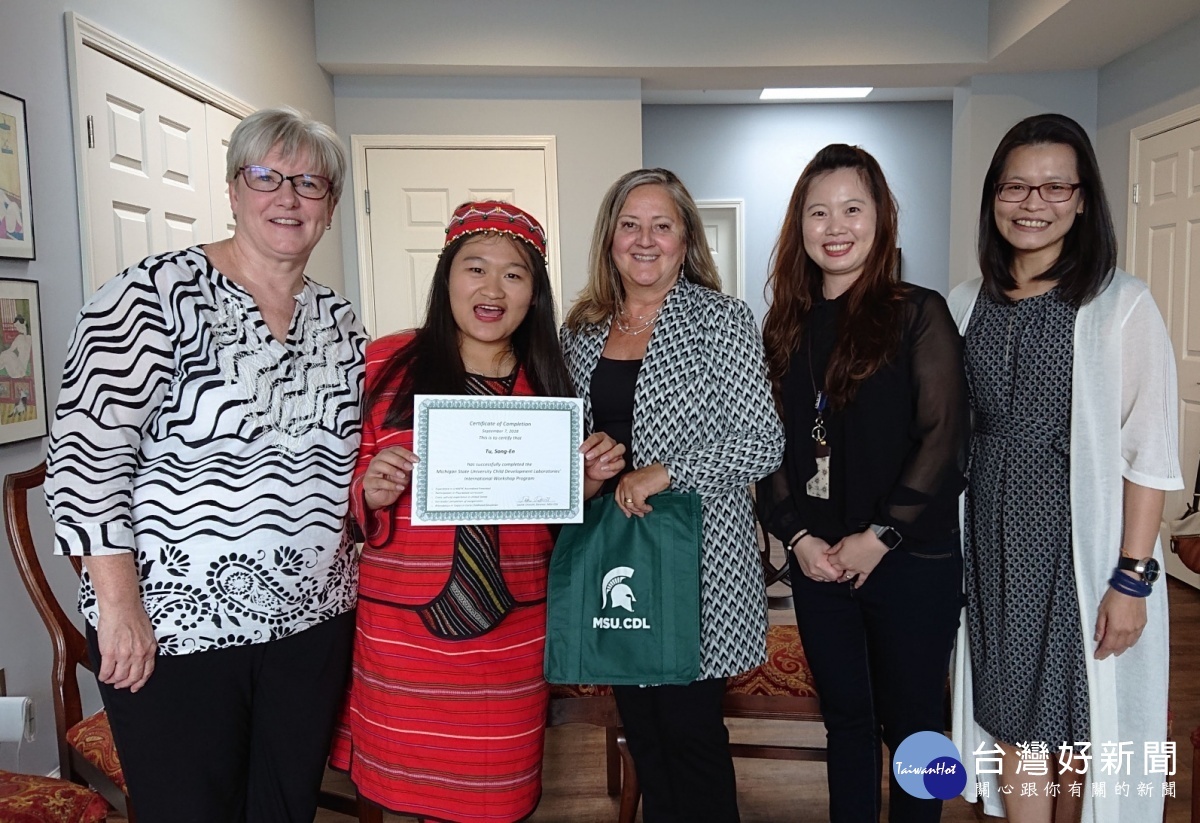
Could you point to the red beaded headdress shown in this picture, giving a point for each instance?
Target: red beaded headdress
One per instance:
(500, 218)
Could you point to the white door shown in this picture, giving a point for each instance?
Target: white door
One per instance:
(146, 166)
(219, 126)
(411, 194)
(723, 230)
(1166, 254)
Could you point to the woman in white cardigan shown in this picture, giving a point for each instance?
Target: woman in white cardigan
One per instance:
(1063, 655)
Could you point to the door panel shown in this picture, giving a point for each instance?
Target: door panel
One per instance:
(722, 230)
(1166, 254)
(147, 174)
(413, 192)
(219, 126)
(154, 177)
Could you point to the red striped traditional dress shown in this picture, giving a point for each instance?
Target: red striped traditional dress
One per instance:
(447, 729)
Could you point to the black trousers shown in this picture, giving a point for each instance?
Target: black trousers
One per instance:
(680, 748)
(236, 735)
(880, 657)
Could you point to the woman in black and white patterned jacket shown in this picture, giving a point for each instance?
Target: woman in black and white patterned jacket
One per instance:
(199, 462)
(673, 368)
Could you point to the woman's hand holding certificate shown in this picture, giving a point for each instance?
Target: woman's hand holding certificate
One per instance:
(388, 475)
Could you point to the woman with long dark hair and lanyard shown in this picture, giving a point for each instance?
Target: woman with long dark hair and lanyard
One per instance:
(868, 374)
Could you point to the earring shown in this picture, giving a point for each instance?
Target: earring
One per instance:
(329, 225)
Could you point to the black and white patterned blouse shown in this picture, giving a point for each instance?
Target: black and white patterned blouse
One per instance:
(221, 456)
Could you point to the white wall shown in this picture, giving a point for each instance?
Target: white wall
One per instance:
(984, 110)
(385, 37)
(261, 52)
(597, 125)
(1156, 80)
(756, 153)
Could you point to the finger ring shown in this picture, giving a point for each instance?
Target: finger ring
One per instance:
(628, 499)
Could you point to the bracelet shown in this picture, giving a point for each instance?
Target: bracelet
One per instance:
(1125, 584)
(800, 535)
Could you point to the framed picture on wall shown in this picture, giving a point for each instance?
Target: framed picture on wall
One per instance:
(23, 412)
(16, 205)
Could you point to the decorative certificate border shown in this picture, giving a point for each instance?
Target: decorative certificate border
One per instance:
(427, 403)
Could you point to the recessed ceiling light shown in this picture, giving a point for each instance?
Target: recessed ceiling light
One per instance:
(816, 94)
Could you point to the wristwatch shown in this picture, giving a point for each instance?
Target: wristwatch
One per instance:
(887, 535)
(1146, 567)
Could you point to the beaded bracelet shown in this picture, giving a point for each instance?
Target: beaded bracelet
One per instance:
(1127, 585)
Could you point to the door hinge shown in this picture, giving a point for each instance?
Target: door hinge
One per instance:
(91, 132)
(1135, 193)
(367, 200)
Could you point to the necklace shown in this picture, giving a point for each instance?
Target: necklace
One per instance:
(640, 322)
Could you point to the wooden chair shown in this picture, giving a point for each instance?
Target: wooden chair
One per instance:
(597, 706)
(27, 798)
(782, 687)
(86, 752)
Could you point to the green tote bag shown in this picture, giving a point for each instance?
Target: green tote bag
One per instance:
(623, 601)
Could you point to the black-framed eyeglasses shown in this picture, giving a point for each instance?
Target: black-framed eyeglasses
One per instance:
(310, 186)
(1054, 192)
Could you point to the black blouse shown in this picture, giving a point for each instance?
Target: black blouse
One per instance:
(897, 452)
(612, 388)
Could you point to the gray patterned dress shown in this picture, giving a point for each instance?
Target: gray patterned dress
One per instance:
(1022, 609)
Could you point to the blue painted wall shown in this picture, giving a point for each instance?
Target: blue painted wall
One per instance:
(755, 153)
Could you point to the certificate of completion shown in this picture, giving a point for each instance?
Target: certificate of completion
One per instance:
(496, 460)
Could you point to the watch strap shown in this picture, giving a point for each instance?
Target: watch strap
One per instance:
(1140, 566)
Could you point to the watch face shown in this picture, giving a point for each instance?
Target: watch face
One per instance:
(1150, 570)
(890, 537)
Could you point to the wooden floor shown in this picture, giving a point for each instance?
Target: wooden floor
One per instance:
(777, 791)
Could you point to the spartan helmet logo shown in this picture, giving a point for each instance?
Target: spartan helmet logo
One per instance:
(616, 591)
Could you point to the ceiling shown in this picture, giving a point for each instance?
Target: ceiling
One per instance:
(716, 51)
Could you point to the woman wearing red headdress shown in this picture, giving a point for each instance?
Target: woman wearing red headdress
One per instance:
(447, 705)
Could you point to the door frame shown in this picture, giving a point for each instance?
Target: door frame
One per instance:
(1174, 566)
(1136, 136)
(738, 207)
(361, 143)
(84, 34)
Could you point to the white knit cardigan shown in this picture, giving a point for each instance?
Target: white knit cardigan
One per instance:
(1124, 426)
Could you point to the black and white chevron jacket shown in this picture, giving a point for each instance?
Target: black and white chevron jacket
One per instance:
(703, 409)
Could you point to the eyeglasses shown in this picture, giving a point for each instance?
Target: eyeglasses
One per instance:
(310, 186)
(1055, 192)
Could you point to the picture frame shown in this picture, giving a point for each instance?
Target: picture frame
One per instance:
(16, 197)
(23, 410)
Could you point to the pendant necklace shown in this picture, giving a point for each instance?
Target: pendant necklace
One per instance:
(818, 485)
(640, 322)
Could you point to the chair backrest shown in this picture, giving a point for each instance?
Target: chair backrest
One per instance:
(773, 555)
(70, 646)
